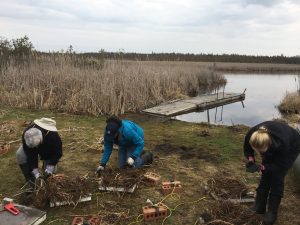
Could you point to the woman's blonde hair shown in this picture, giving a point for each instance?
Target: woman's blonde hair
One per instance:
(260, 139)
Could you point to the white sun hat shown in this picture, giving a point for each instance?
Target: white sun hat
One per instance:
(46, 123)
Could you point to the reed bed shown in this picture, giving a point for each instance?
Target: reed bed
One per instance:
(290, 104)
(275, 68)
(81, 85)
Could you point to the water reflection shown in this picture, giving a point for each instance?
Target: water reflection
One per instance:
(264, 93)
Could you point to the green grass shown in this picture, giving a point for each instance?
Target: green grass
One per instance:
(222, 148)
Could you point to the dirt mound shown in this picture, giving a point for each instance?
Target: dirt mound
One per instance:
(187, 153)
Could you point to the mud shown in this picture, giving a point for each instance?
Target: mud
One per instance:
(187, 153)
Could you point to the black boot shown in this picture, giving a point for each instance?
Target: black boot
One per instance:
(260, 202)
(273, 204)
(147, 158)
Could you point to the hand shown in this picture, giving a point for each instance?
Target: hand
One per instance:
(35, 173)
(99, 171)
(130, 161)
(48, 171)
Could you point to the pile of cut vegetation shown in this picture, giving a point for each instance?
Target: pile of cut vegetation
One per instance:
(228, 213)
(222, 185)
(61, 189)
(118, 178)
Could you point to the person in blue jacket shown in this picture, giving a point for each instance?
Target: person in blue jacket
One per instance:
(130, 139)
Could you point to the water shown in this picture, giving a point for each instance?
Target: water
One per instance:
(263, 94)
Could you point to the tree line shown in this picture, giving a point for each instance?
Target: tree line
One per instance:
(22, 48)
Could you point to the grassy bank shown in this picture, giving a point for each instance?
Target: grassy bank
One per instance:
(189, 152)
(290, 104)
(290, 107)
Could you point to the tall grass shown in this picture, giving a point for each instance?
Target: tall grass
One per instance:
(290, 104)
(64, 82)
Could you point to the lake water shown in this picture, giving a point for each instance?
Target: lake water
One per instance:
(263, 94)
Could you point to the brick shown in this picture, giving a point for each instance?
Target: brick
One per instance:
(95, 220)
(155, 212)
(152, 177)
(77, 220)
(168, 186)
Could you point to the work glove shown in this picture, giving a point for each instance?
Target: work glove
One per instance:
(35, 173)
(100, 170)
(48, 171)
(250, 162)
(130, 161)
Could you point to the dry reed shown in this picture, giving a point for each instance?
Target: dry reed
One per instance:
(121, 178)
(65, 83)
(290, 103)
(227, 213)
(222, 185)
(61, 188)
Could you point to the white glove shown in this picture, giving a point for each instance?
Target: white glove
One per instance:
(130, 161)
(49, 169)
(99, 171)
(35, 173)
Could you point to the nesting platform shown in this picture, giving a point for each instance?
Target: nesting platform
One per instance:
(199, 103)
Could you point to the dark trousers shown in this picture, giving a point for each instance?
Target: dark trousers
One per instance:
(273, 182)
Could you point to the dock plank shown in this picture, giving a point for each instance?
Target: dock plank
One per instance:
(202, 102)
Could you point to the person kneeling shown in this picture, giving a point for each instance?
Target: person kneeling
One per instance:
(130, 139)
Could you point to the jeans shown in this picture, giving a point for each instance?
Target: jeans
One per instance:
(124, 153)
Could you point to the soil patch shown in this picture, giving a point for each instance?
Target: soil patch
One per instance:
(187, 153)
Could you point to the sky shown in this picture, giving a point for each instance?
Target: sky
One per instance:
(251, 27)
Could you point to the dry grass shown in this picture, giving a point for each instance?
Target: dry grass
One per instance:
(79, 85)
(257, 67)
(80, 135)
(290, 104)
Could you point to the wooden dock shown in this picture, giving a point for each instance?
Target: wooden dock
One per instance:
(199, 103)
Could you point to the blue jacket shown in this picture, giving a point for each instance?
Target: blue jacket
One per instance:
(130, 134)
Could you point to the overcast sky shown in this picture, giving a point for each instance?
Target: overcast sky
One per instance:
(253, 27)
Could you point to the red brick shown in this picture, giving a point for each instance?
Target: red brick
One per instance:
(169, 187)
(152, 177)
(77, 221)
(155, 212)
(95, 220)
